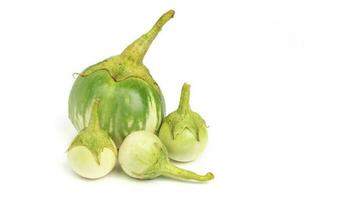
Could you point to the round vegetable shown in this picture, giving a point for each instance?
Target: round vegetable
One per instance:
(92, 154)
(143, 156)
(184, 132)
(130, 99)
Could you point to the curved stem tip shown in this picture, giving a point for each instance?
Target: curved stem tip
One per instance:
(173, 171)
(136, 51)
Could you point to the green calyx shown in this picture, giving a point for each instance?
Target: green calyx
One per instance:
(155, 168)
(184, 118)
(130, 62)
(93, 137)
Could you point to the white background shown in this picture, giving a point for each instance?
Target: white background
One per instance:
(264, 75)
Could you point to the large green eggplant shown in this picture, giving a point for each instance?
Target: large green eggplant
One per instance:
(130, 100)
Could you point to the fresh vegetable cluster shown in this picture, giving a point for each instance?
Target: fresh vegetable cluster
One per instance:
(116, 104)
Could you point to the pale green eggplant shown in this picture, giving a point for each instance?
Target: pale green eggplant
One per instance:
(143, 156)
(92, 154)
(184, 132)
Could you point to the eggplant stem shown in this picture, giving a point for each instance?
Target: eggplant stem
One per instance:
(184, 104)
(173, 171)
(136, 51)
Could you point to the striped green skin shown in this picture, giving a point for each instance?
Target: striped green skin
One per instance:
(125, 106)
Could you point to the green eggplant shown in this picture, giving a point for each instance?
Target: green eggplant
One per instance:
(130, 99)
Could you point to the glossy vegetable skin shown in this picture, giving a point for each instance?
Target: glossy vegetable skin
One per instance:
(126, 106)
